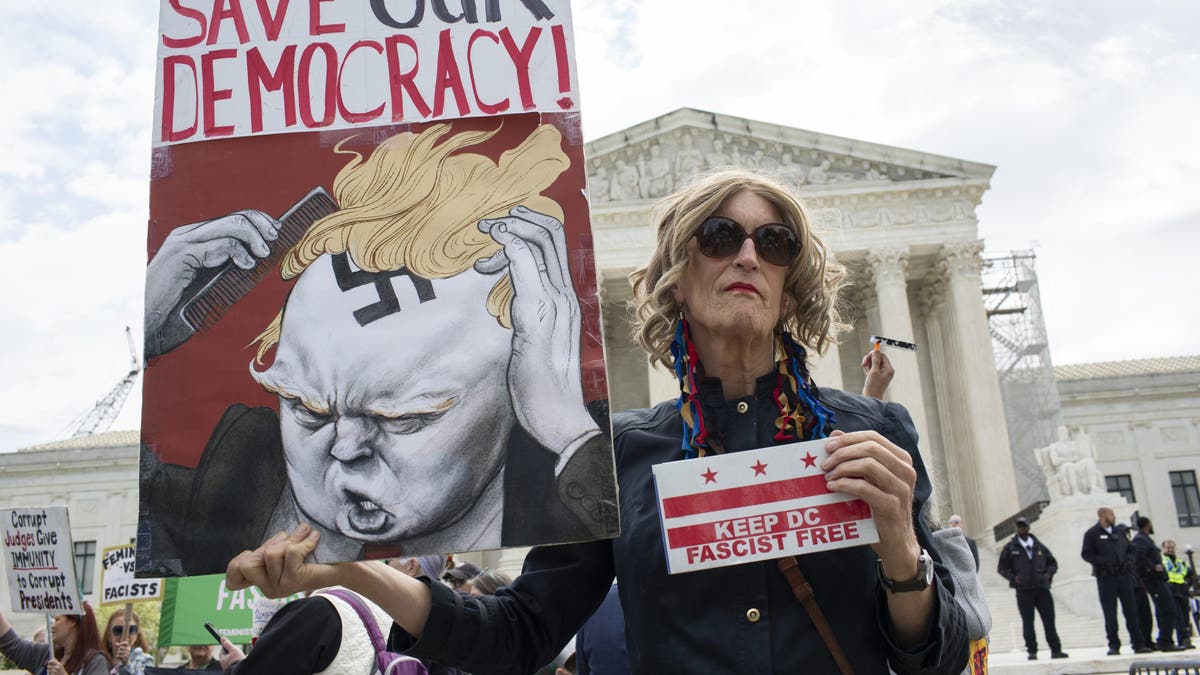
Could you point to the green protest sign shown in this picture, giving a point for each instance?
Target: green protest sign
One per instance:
(190, 601)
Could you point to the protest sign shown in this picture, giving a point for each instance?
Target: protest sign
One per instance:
(40, 560)
(369, 242)
(190, 602)
(756, 505)
(117, 583)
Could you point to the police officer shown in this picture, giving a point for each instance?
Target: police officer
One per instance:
(1106, 549)
(1148, 567)
(1180, 576)
(1029, 567)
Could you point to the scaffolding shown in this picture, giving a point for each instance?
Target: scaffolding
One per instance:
(1022, 354)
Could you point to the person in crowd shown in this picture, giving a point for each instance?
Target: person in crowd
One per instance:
(200, 657)
(738, 293)
(600, 644)
(1148, 566)
(878, 373)
(77, 646)
(325, 632)
(1180, 577)
(459, 577)
(39, 635)
(126, 646)
(1030, 567)
(957, 521)
(488, 582)
(1106, 549)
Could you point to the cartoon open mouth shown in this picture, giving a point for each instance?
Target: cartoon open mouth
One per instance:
(365, 515)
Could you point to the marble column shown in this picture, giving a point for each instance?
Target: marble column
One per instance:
(954, 482)
(889, 266)
(826, 368)
(991, 479)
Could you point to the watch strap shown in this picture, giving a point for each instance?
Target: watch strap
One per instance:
(918, 583)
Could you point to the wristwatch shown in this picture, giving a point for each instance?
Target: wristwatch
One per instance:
(918, 583)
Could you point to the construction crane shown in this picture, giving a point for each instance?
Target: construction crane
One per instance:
(101, 416)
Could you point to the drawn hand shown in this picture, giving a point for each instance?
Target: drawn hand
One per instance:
(279, 567)
(241, 237)
(879, 371)
(543, 374)
(868, 466)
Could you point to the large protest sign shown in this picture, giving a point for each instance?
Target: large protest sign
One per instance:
(190, 602)
(759, 505)
(118, 585)
(40, 560)
(371, 302)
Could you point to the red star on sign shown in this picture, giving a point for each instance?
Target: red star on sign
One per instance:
(809, 460)
(760, 469)
(710, 476)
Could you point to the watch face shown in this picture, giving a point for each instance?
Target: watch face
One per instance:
(927, 563)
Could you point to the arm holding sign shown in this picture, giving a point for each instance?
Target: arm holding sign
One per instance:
(31, 656)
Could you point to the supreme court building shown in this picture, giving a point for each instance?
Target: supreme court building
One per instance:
(903, 222)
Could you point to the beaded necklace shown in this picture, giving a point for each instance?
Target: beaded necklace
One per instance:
(802, 416)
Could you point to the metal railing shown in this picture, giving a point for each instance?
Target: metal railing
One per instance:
(1008, 527)
(1188, 667)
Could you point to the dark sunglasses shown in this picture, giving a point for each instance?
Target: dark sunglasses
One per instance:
(120, 630)
(719, 237)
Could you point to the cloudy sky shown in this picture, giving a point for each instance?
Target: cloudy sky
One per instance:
(1088, 109)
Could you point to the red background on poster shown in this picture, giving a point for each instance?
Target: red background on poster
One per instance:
(188, 389)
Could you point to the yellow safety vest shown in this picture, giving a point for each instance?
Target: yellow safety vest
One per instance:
(1176, 571)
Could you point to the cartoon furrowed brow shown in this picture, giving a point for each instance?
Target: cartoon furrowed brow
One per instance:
(388, 411)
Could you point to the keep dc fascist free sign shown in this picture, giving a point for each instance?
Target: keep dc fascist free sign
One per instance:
(755, 505)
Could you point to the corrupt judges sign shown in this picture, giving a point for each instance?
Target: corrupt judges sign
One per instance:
(757, 505)
(39, 556)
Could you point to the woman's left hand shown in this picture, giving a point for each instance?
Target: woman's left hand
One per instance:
(868, 466)
(53, 667)
(543, 374)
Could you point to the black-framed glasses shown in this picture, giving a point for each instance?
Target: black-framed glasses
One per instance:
(720, 237)
(120, 630)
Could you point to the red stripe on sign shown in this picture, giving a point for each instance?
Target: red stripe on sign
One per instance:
(749, 495)
(767, 523)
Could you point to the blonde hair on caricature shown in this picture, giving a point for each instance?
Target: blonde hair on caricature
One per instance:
(810, 289)
(416, 201)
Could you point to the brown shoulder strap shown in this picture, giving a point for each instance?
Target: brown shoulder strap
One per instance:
(804, 593)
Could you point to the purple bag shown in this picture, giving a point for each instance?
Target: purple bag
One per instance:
(389, 663)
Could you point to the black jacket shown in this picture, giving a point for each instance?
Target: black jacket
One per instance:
(1146, 554)
(1024, 572)
(698, 622)
(1108, 554)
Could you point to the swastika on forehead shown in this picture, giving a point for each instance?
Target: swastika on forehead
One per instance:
(388, 304)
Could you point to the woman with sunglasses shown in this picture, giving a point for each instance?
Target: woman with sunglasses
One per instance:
(77, 649)
(120, 644)
(738, 295)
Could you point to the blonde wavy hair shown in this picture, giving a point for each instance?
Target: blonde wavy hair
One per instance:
(416, 201)
(810, 289)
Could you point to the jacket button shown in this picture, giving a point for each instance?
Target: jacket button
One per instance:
(753, 615)
(743, 407)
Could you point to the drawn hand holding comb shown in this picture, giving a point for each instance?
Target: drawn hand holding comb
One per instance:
(202, 269)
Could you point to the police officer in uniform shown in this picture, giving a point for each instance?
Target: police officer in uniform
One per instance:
(1180, 576)
(1147, 565)
(1029, 567)
(1106, 549)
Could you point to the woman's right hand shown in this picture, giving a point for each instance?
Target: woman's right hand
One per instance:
(280, 566)
(53, 667)
(121, 651)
